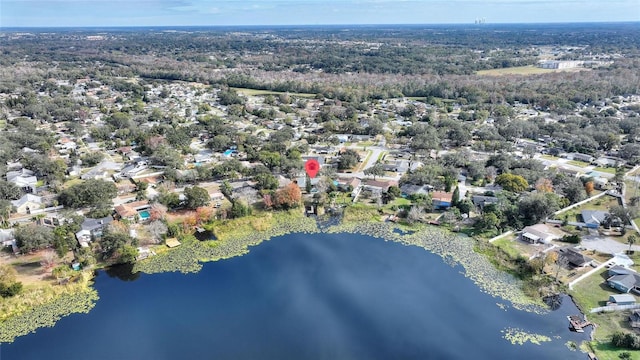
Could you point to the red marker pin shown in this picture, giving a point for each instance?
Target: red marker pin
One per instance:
(312, 167)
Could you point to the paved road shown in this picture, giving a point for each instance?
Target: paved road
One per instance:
(605, 244)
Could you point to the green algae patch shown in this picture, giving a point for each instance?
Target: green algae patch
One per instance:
(519, 337)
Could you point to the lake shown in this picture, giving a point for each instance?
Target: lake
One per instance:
(300, 296)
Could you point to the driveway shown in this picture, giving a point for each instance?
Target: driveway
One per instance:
(605, 244)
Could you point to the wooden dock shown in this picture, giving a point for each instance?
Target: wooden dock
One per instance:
(577, 323)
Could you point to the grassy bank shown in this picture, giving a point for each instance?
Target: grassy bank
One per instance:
(43, 306)
(234, 237)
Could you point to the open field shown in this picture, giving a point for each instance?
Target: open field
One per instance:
(258, 92)
(522, 70)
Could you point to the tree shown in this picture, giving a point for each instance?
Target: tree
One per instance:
(89, 193)
(239, 209)
(589, 187)
(288, 197)
(544, 185)
(196, 197)
(535, 208)
(631, 240)
(348, 159)
(113, 245)
(9, 191)
(226, 189)
(574, 191)
(33, 237)
(375, 170)
(266, 181)
(158, 211)
(157, 229)
(511, 182)
(455, 197)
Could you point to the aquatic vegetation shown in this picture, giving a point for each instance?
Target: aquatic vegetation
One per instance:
(456, 250)
(519, 337)
(571, 345)
(77, 298)
(234, 239)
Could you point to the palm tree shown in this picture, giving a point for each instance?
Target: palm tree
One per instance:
(631, 240)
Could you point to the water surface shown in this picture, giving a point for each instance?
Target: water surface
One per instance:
(322, 296)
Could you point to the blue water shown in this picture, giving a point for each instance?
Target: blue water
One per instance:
(328, 296)
(144, 214)
(228, 153)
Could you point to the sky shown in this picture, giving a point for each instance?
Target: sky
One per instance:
(72, 13)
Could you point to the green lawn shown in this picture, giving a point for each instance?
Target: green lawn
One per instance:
(549, 157)
(604, 351)
(608, 170)
(507, 245)
(592, 292)
(578, 163)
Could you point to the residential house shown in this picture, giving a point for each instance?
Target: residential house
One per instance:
(606, 162)
(346, 184)
(574, 258)
(539, 233)
(411, 189)
(441, 200)
(319, 159)
(568, 171)
(480, 201)
(24, 179)
(634, 319)
(400, 166)
(593, 218)
(27, 203)
(621, 299)
(97, 173)
(580, 157)
(129, 211)
(624, 279)
(92, 229)
(378, 186)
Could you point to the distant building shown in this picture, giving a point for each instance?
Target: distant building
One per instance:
(556, 64)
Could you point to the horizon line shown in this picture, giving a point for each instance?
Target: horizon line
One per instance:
(311, 25)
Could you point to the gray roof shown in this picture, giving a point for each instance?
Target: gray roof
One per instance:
(593, 216)
(622, 298)
(480, 200)
(629, 280)
(620, 270)
(92, 224)
(574, 257)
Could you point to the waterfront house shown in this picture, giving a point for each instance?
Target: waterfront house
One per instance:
(441, 200)
(539, 233)
(574, 258)
(129, 211)
(625, 283)
(480, 201)
(92, 229)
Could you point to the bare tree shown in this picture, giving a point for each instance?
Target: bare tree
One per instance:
(157, 228)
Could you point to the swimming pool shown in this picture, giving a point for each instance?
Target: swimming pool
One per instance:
(144, 215)
(228, 152)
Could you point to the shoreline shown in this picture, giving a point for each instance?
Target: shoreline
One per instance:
(236, 237)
